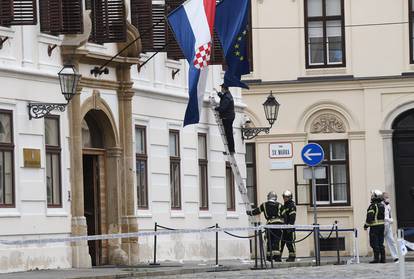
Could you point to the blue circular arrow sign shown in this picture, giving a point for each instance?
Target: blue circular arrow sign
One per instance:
(312, 154)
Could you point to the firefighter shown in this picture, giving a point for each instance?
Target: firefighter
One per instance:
(272, 211)
(227, 114)
(289, 214)
(375, 222)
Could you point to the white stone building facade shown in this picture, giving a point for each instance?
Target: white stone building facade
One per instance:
(89, 156)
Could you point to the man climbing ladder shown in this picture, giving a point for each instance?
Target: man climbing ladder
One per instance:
(228, 152)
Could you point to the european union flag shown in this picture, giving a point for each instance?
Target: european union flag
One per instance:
(231, 24)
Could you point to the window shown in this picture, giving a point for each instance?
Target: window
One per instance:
(61, 16)
(251, 173)
(411, 19)
(202, 170)
(175, 180)
(6, 159)
(324, 33)
(141, 166)
(335, 188)
(18, 12)
(230, 197)
(53, 174)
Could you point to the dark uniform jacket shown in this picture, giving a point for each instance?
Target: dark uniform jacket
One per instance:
(226, 107)
(289, 212)
(375, 214)
(272, 211)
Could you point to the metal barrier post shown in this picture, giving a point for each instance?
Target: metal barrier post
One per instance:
(255, 246)
(356, 246)
(316, 243)
(401, 257)
(337, 243)
(155, 246)
(217, 246)
(261, 250)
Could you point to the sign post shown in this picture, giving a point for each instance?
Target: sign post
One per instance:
(313, 155)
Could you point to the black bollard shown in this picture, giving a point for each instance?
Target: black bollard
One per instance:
(155, 246)
(217, 246)
(337, 243)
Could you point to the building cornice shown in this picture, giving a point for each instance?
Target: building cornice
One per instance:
(329, 83)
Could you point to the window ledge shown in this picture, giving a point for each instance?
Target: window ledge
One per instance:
(49, 39)
(177, 214)
(9, 213)
(326, 71)
(331, 208)
(56, 212)
(205, 215)
(144, 213)
(232, 215)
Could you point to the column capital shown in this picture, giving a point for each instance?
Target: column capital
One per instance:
(114, 152)
(386, 134)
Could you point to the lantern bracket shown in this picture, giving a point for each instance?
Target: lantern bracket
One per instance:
(39, 110)
(252, 132)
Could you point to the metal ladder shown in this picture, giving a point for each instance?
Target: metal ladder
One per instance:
(230, 157)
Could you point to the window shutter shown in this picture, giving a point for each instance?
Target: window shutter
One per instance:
(159, 30)
(173, 49)
(61, 16)
(24, 12)
(108, 21)
(6, 12)
(217, 57)
(141, 18)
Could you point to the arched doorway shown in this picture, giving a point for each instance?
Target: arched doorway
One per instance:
(97, 137)
(403, 148)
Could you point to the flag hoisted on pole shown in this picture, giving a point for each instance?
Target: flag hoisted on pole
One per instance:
(192, 24)
(231, 27)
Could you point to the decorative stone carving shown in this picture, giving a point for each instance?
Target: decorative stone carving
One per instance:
(327, 123)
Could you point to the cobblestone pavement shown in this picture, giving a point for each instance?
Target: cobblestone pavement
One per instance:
(361, 271)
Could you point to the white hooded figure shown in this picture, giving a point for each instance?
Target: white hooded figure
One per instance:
(388, 235)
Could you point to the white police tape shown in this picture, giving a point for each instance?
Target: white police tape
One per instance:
(153, 233)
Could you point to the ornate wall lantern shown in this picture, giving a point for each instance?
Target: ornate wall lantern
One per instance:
(271, 109)
(69, 79)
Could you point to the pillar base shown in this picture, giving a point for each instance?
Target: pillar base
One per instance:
(130, 245)
(80, 249)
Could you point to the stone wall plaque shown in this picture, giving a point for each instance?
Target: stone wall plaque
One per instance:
(31, 158)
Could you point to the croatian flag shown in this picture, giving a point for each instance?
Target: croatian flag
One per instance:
(192, 24)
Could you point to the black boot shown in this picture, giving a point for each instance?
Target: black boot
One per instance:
(291, 259)
(383, 259)
(376, 258)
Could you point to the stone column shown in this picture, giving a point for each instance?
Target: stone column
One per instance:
(80, 250)
(129, 220)
(113, 162)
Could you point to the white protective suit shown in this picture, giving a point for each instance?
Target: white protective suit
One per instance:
(388, 235)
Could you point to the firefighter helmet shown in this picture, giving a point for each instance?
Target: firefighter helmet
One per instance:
(287, 194)
(271, 196)
(376, 194)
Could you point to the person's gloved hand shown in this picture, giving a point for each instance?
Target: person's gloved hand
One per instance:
(249, 212)
(220, 94)
(365, 226)
(216, 108)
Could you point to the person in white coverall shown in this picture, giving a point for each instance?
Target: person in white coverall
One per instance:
(388, 235)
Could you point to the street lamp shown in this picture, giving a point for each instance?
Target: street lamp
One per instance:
(69, 79)
(271, 109)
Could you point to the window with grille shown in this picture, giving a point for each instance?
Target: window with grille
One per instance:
(141, 158)
(53, 168)
(202, 170)
(230, 195)
(335, 188)
(175, 180)
(6, 159)
(324, 33)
